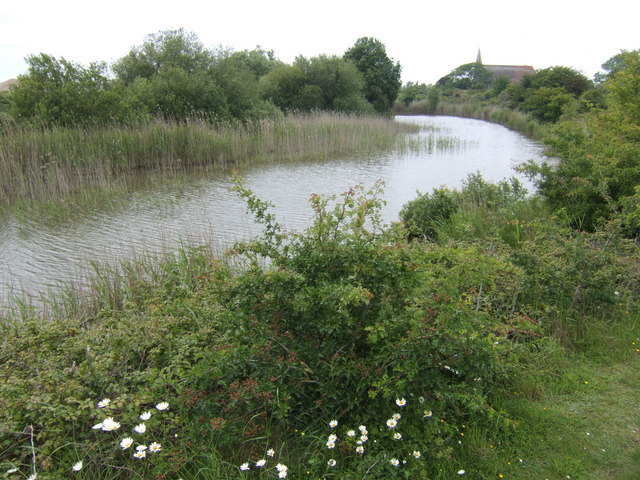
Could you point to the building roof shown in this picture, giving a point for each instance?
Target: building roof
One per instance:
(513, 72)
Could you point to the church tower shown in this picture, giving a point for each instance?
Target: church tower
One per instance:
(479, 57)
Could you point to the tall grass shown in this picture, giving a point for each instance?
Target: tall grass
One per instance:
(45, 163)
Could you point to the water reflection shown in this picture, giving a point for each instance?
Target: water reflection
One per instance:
(155, 212)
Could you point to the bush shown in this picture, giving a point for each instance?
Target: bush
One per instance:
(425, 214)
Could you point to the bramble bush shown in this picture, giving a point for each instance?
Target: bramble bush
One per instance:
(292, 330)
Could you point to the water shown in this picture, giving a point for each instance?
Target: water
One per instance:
(44, 251)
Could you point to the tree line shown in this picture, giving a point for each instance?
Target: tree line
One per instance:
(173, 76)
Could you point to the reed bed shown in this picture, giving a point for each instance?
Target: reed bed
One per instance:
(46, 163)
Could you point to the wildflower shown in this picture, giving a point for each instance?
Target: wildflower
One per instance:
(162, 406)
(97, 426)
(351, 433)
(330, 445)
(261, 463)
(126, 443)
(461, 472)
(417, 454)
(427, 413)
(12, 470)
(420, 399)
(140, 428)
(141, 448)
(392, 422)
(108, 424)
(396, 416)
(333, 423)
(102, 404)
(363, 429)
(333, 437)
(331, 462)
(145, 416)
(271, 452)
(401, 402)
(77, 467)
(397, 436)
(33, 476)
(282, 470)
(155, 447)
(140, 454)
(244, 466)
(395, 462)
(360, 449)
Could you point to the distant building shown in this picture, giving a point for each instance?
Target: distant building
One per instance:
(6, 85)
(512, 72)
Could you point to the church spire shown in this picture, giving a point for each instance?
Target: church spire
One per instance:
(479, 57)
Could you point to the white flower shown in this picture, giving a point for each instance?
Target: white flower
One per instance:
(332, 438)
(12, 470)
(155, 447)
(140, 428)
(141, 448)
(395, 462)
(401, 402)
(331, 462)
(420, 399)
(261, 463)
(363, 438)
(282, 474)
(333, 423)
(359, 449)
(108, 424)
(427, 413)
(126, 443)
(396, 416)
(417, 454)
(102, 404)
(271, 452)
(244, 466)
(140, 454)
(33, 476)
(330, 445)
(397, 436)
(77, 467)
(162, 406)
(351, 433)
(461, 472)
(363, 429)
(145, 416)
(97, 426)
(282, 470)
(392, 422)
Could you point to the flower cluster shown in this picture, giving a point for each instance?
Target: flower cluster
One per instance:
(280, 467)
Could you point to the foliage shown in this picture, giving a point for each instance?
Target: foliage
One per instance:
(381, 75)
(470, 76)
(423, 215)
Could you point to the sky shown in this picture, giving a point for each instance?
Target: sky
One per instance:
(429, 38)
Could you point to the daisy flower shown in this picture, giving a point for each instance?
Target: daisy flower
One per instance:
(244, 466)
(330, 445)
(271, 452)
(140, 454)
(401, 402)
(351, 433)
(396, 416)
(360, 449)
(141, 448)
(103, 403)
(162, 406)
(140, 428)
(417, 454)
(392, 422)
(108, 424)
(77, 467)
(331, 462)
(155, 447)
(395, 462)
(126, 443)
(397, 436)
(261, 463)
(363, 429)
(97, 426)
(427, 413)
(333, 423)
(461, 472)
(145, 416)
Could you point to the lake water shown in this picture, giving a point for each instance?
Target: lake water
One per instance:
(38, 252)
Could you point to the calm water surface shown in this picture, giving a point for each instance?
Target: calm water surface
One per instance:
(43, 251)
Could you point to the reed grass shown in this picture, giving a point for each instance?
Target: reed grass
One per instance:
(46, 163)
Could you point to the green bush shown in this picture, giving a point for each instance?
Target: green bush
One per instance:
(423, 216)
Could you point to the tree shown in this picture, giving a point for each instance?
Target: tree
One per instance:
(59, 92)
(470, 76)
(381, 75)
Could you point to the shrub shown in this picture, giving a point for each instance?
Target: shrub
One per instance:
(425, 214)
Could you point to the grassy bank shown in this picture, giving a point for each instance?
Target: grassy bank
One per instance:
(470, 108)
(504, 347)
(41, 164)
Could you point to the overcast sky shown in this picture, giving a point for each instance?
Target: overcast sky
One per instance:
(429, 38)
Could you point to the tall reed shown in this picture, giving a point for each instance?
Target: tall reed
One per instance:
(45, 163)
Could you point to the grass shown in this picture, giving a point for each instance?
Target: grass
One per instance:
(50, 163)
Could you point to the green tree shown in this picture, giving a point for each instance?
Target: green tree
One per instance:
(381, 75)
(547, 104)
(59, 92)
(470, 76)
